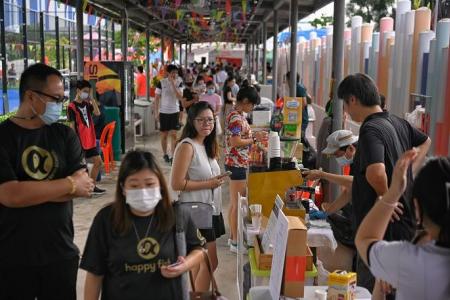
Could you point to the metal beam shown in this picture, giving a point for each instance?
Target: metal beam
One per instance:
(91, 47)
(147, 64)
(275, 57)
(58, 54)
(42, 36)
(3, 58)
(293, 57)
(338, 74)
(124, 32)
(25, 34)
(264, 53)
(80, 41)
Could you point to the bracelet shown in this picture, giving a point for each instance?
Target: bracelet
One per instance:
(74, 185)
(390, 204)
(185, 184)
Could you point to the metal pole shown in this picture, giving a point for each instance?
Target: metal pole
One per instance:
(162, 50)
(3, 57)
(147, 64)
(257, 63)
(106, 39)
(186, 56)
(293, 60)
(91, 47)
(338, 74)
(252, 58)
(113, 41)
(180, 56)
(338, 60)
(264, 53)
(41, 36)
(99, 40)
(124, 33)
(69, 49)
(247, 53)
(80, 41)
(275, 56)
(58, 56)
(25, 34)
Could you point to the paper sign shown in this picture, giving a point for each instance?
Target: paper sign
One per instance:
(269, 234)
(280, 242)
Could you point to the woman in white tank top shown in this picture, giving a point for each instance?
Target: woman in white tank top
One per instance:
(196, 175)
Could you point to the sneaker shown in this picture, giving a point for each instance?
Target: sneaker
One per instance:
(234, 248)
(230, 241)
(166, 158)
(98, 191)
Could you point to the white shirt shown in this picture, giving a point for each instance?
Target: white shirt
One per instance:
(169, 101)
(202, 168)
(416, 271)
(221, 76)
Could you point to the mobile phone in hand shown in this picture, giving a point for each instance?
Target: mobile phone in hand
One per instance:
(174, 264)
(227, 173)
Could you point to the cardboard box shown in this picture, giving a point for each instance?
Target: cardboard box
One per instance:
(295, 263)
(341, 285)
(263, 261)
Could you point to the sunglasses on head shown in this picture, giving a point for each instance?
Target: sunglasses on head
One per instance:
(54, 98)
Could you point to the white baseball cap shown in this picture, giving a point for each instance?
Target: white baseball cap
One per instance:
(339, 139)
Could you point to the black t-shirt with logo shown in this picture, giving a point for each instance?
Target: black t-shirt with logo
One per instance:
(382, 139)
(40, 234)
(126, 273)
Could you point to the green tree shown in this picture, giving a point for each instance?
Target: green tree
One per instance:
(370, 10)
(422, 3)
(323, 21)
(137, 41)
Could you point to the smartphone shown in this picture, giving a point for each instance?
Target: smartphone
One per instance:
(174, 264)
(227, 173)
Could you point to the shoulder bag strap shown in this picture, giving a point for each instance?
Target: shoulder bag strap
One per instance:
(214, 288)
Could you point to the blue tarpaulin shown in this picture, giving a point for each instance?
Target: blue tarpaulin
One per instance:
(284, 37)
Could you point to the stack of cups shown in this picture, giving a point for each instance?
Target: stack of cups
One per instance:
(274, 151)
(255, 211)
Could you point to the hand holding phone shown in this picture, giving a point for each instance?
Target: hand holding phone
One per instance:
(175, 264)
(226, 174)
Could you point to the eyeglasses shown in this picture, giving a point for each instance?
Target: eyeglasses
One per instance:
(208, 121)
(54, 98)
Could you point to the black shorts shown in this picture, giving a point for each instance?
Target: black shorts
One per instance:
(88, 153)
(237, 173)
(168, 122)
(211, 234)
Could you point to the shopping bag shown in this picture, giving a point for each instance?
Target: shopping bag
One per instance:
(263, 187)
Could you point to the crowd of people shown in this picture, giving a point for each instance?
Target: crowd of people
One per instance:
(145, 243)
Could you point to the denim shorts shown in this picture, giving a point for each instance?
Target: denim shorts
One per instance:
(237, 173)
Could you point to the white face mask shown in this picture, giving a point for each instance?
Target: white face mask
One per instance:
(344, 161)
(143, 200)
(84, 95)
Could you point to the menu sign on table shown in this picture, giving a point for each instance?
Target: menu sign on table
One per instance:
(269, 234)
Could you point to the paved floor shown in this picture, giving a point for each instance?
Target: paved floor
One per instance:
(86, 209)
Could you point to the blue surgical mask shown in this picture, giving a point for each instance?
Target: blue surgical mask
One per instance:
(52, 112)
(344, 161)
(211, 91)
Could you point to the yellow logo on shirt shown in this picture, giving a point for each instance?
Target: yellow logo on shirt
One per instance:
(38, 163)
(148, 248)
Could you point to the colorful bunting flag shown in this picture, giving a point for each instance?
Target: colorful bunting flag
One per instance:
(228, 7)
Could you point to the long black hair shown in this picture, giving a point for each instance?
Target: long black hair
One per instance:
(189, 131)
(133, 162)
(432, 190)
(248, 92)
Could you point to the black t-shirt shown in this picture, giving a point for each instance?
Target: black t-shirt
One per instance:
(40, 234)
(226, 90)
(382, 139)
(127, 274)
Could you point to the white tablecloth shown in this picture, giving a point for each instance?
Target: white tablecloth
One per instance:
(321, 235)
(263, 293)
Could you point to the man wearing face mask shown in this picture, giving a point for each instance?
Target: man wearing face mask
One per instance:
(79, 114)
(41, 170)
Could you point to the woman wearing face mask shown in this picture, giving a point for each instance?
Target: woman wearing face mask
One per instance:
(416, 271)
(79, 114)
(212, 98)
(132, 251)
(238, 140)
(200, 86)
(196, 174)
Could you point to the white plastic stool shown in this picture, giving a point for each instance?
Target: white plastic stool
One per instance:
(138, 128)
